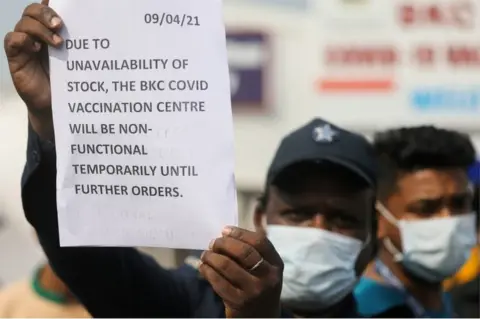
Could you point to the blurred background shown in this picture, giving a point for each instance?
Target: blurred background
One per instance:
(363, 64)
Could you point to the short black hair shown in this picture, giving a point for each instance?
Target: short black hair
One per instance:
(408, 149)
(291, 178)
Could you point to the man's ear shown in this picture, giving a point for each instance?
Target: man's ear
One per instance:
(260, 219)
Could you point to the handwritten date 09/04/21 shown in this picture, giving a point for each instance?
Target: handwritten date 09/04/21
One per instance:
(162, 19)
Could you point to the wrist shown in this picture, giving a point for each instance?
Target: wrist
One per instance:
(42, 125)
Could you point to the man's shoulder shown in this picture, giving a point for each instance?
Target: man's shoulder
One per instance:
(375, 299)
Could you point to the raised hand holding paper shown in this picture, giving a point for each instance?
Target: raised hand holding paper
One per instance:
(143, 123)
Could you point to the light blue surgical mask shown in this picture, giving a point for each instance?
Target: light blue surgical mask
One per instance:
(434, 248)
(319, 265)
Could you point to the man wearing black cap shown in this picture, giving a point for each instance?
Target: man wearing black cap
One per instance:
(318, 211)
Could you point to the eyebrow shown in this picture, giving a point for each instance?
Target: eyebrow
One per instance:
(319, 209)
(458, 194)
(300, 208)
(424, 201)
(433, 200)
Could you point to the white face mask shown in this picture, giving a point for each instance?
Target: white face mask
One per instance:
(319, 265)
(433, 249)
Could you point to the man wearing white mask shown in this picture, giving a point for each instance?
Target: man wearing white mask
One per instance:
(426, 223)
(318, 212)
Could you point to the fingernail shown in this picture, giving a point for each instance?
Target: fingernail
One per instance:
(201, 256)
(56, 39)
(37, 46)
(227, 231)
(212, 242)
(55, 21)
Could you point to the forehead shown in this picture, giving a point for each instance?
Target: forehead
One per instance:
(314, 185)
(316, 176)
(429, 183)
(320, 191)
(318, 196)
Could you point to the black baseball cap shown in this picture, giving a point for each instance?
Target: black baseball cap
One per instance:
(320, 141)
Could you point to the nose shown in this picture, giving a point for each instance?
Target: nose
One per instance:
(445, 212)
(317, 221)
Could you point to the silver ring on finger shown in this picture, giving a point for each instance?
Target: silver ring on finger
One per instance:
(256, 265)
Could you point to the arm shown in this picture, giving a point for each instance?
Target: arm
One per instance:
(110, 282)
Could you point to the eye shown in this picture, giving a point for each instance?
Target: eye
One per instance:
(427, 207)
(343, 222)
(461, 203)
(298, 216)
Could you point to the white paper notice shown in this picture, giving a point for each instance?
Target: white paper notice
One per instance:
(143, 123)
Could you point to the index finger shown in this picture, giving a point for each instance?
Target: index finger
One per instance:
(256, 240)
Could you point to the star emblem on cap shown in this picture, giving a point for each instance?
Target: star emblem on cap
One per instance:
(324, 134)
